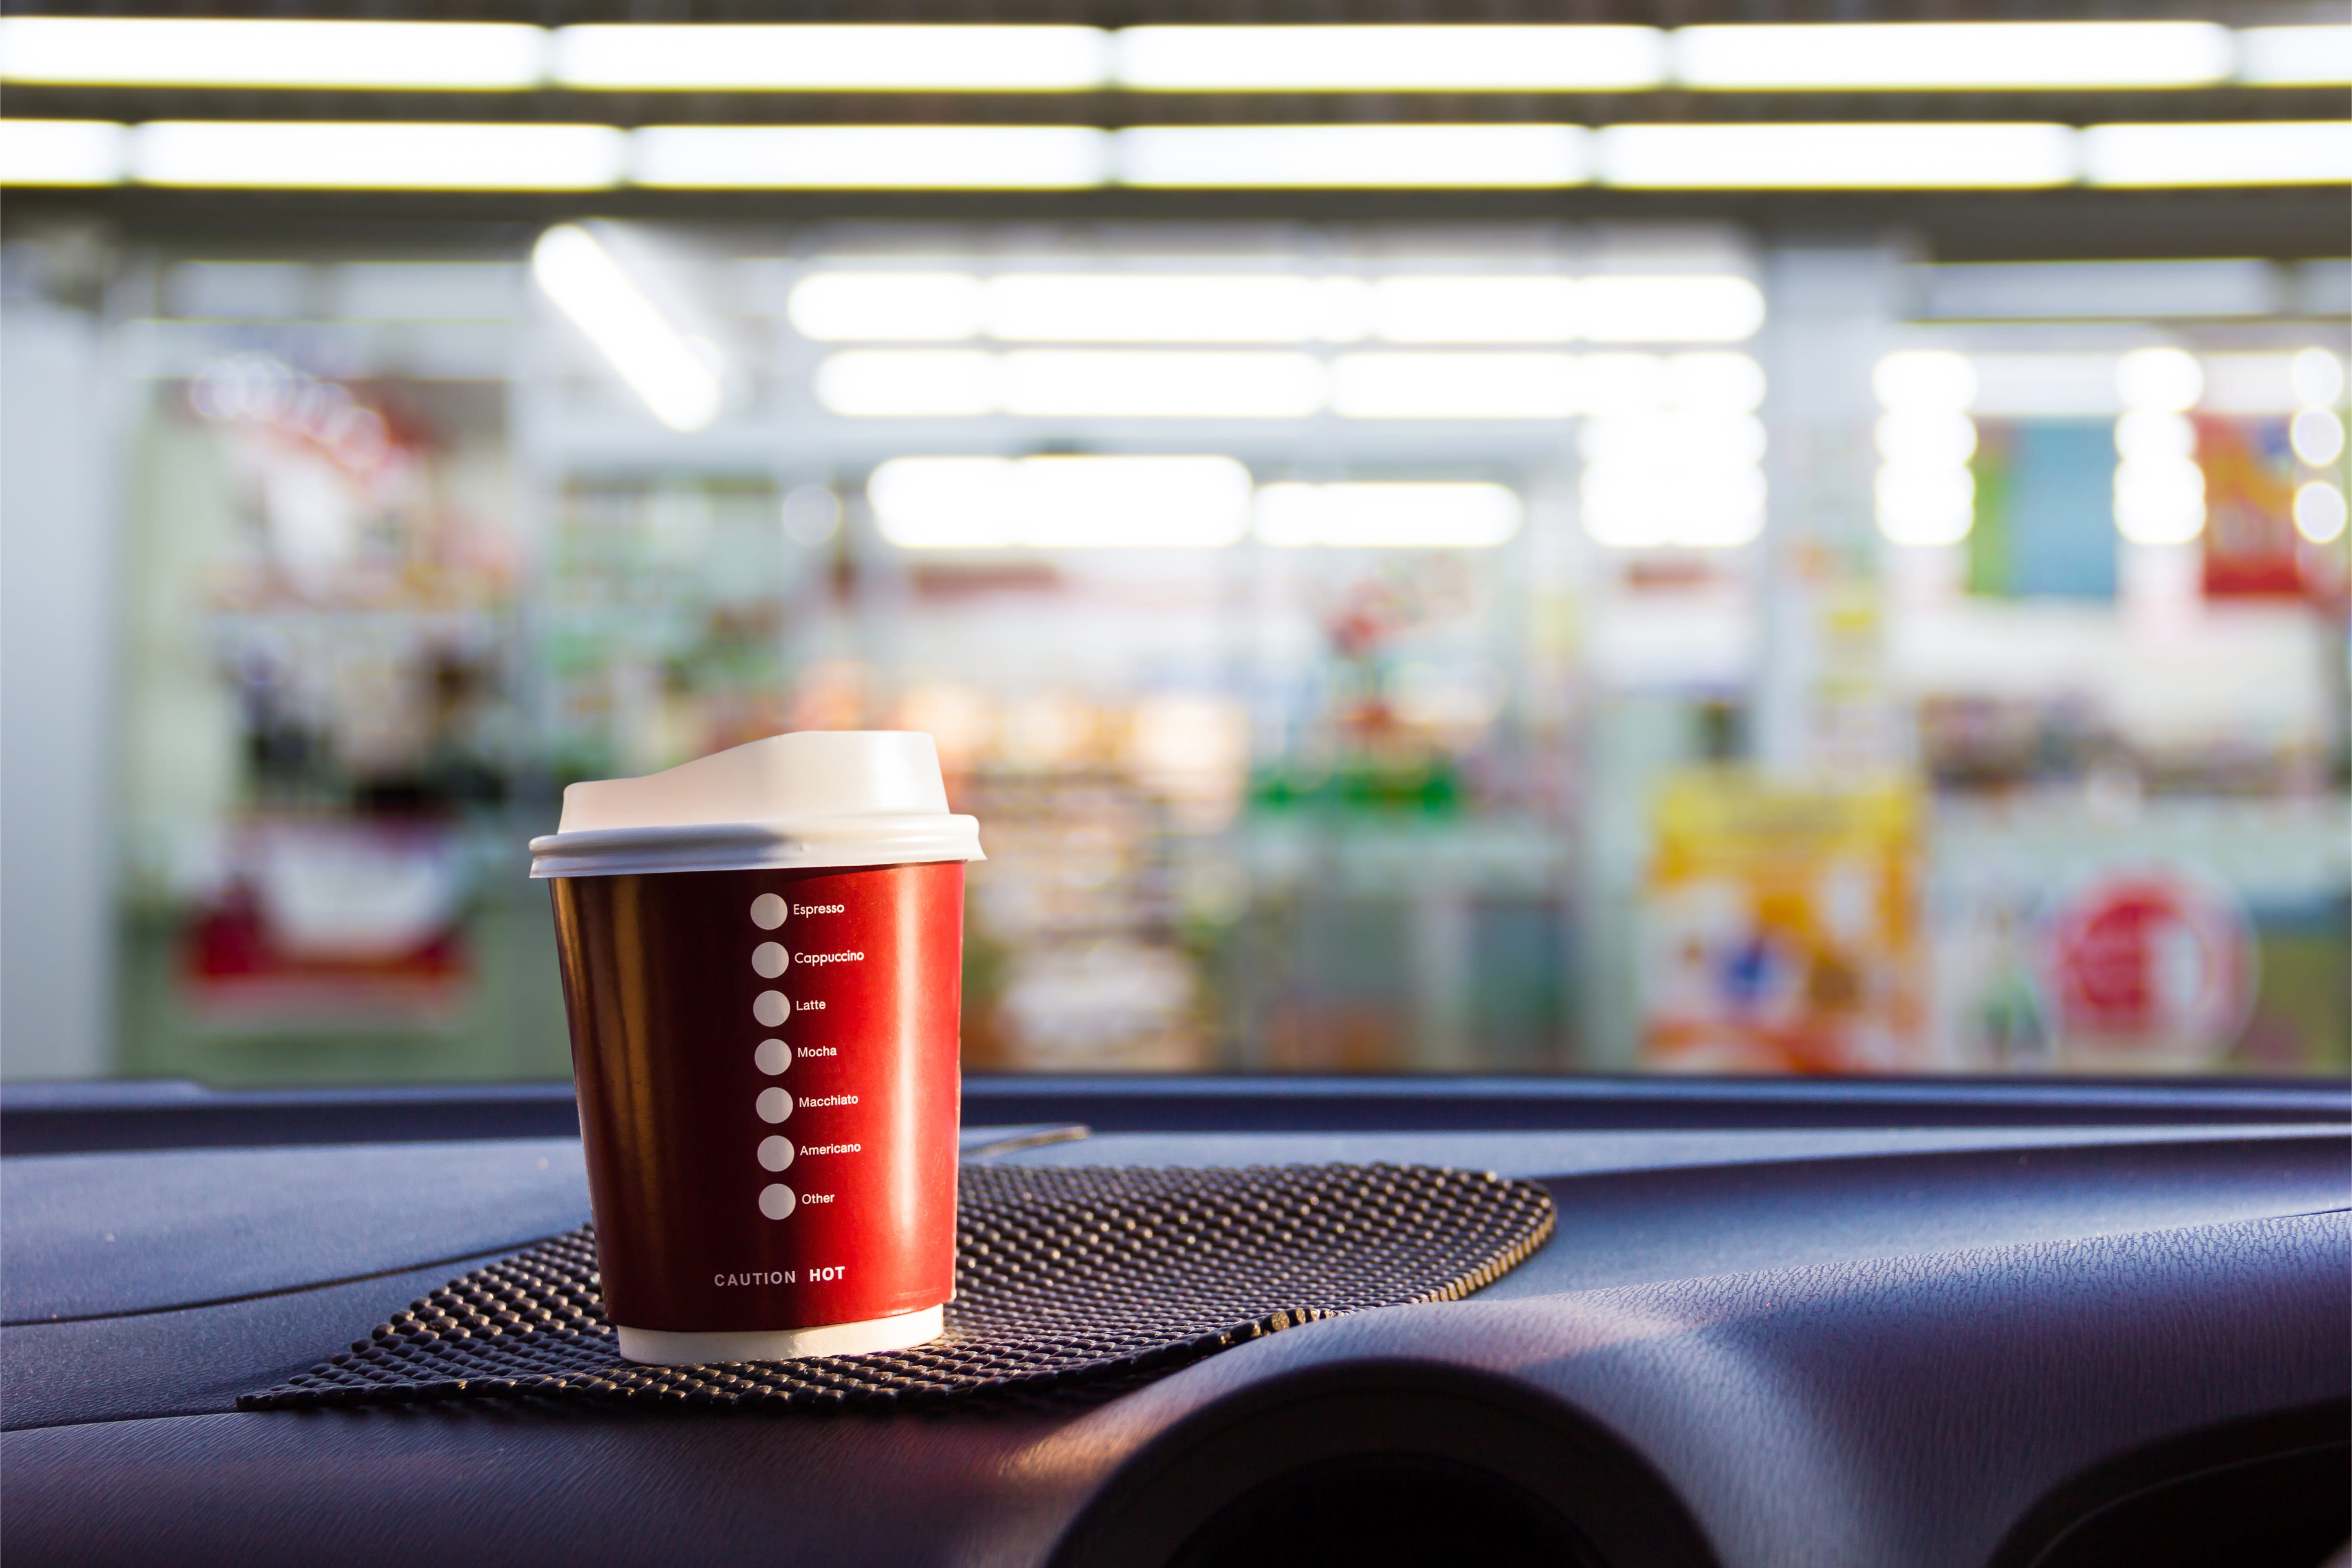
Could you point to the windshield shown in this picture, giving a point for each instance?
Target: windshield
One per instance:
(1598, 622)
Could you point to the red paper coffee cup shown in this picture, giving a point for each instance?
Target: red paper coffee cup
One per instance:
(761, 956)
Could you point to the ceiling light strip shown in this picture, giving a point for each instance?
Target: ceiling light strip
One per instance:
(679, 385)
(435, 155)
(2294, 57)
(1061, 502)
(1329, 157)
(1837, 157)
(376, 156)
(902, 384)
(870, 157)
(2040, 55)
(1912, 56)
(218, 52)
(843, 306)
(637, 57)
(2263, 152)
(1390, 59)
(63, 153)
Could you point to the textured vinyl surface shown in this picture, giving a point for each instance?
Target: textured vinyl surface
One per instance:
(1894, 1415)
(93, 1235)
(1875, 1350)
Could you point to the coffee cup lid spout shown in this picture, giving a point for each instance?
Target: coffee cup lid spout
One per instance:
(812, 798)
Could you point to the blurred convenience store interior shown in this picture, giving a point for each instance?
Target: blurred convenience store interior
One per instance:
(1404, 637)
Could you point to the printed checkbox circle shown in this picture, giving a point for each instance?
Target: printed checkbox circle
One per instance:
(776, 1200)
(773, 1057)
(768, 911)
(770, 959)
(774, 1105)
(771, 1008)
(775, 1153)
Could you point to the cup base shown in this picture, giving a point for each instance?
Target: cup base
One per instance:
(662, 1347)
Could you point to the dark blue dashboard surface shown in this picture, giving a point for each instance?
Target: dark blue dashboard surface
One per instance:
(2001, 1324)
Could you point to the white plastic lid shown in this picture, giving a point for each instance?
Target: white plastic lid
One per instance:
(819, 798)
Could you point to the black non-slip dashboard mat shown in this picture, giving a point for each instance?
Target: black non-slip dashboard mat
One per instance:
(1065, 1279)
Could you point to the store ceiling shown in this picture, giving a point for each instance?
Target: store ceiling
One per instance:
(1141, 13)
(1960, 224)
(2067, 224)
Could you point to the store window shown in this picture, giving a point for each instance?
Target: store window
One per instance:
(1366, 649)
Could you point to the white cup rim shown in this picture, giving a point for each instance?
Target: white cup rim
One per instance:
(876, 838)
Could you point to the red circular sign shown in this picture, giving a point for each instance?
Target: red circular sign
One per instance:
(2151, 959)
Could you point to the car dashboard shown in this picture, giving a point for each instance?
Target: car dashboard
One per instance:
(1967, 1324)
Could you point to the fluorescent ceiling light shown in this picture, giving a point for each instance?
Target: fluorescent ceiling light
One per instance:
(2167, 380)
(1097, 383)
(1536, 309)
(1638, 506)
(475, 55)
(1390, 59)
(1080, 307)
(1163, 385)
(1671, 440)
(284, 154)
(1272, 157)
(870, 157)
(831, 59)
(1926, 503)
(1474, 309)
(2042, 385)
(1388, 516)
(2145, 433)
(2316, 377)
(62, 151)
(1097, 307)
(121, 51)
(1925, 437)
(2295, 57)
(897, 384)
(1455, 386)
(1071, 384)
(1925, 381)
(2249, 383)
(1616, 383)
(2159, 500)
(518, 156)
(1858, 156)
(2319, 512)
(1272, 308)
(1670, 309)
(2260, 152)
(1725, 382)
(1914, 56)
(679, 383)
(932, 503)
(1540, 386)
(2318, 436)
(878, 307)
